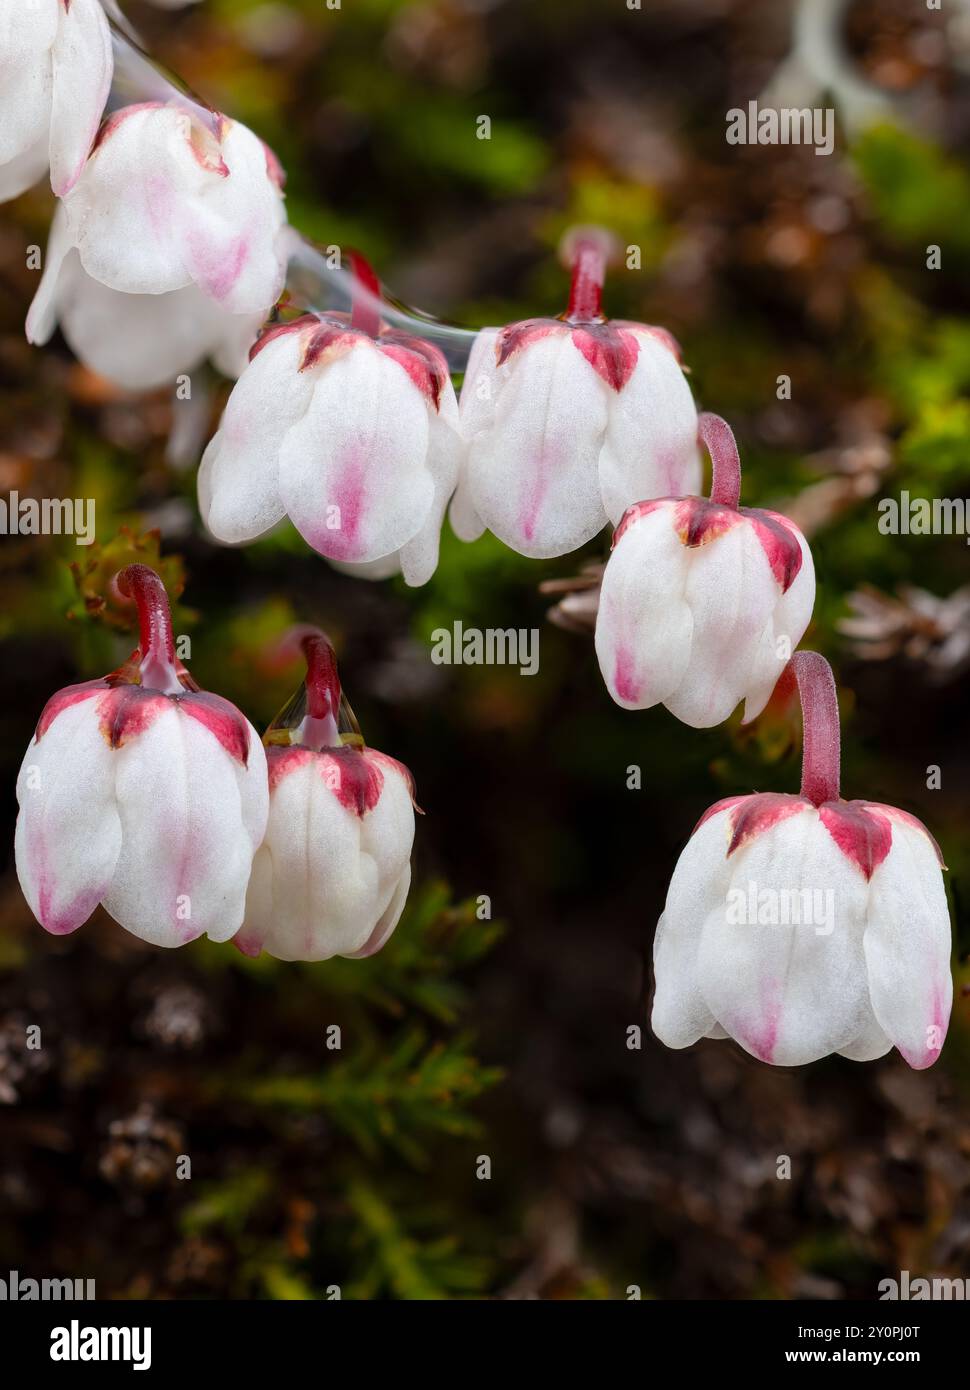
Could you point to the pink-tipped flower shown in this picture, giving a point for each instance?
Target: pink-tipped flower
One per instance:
(55, 72)
(347, 427)
(332, 875)
(703, 602)
(570, 421)
(142, 792)
(806, 925)
(173, 195)
(139, 341)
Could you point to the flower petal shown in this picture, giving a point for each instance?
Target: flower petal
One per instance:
(82, 70)
(239, 493)
(907, 946)
(644, 625)
(680, 1013)
(335, 874)
(191, 819)
(789, 986)
(650, 447)
(68, 832)
(533, 471)
(353, 475)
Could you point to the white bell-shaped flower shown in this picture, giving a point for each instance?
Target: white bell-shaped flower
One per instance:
(570, 421)
(805, 925)
(332, 876)
(142, 792)
(703, 601)
(173, 195)
(347, 427)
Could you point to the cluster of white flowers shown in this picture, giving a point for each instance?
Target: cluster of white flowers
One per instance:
(146, 794)
(169, 246)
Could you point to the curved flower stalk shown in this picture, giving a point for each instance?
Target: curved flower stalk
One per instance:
(141, 792)
(348, 427)
(332, 876)
(703, 601)
(570, 421)
(806, 925)
(55, 74)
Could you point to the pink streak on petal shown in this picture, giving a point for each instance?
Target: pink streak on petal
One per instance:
(761, 1037)
(348, 495)
(940, 1019)
(625, 681)
(217, 274)
(535, 492)
(248, 946)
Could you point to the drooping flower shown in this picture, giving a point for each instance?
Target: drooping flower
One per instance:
(141, 792)
(806, 925)
(175, 195)
(703, 601)
(55, 73)
(570, 421)
(138, 341)
(347, 427)
(332, 875)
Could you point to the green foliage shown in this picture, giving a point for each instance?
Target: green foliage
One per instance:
(918, 193)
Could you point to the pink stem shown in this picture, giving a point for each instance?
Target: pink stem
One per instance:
(365, 314)
(158, 670)
(821, 748)
(718, 438)
(588, 275)
(323, 691)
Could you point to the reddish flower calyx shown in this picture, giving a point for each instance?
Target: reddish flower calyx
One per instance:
(131, 698)
(699, 520)
(863, 830)
(329, 336)
(318, 727)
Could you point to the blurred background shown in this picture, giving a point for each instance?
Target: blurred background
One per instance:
(508, 1036)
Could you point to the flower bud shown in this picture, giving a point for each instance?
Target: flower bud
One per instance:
(805, 925)
(570, 421)
(141, 792)
(347, 427)
(333, 873)
(174, 194)
(703, 602)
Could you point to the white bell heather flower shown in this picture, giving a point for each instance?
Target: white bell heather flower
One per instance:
(805, 925)
(347, 427)
(174, 194)
(332, 875)
(141, 792)
(703, 602)
(138, 341)
(570, 421)
(55, 73)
